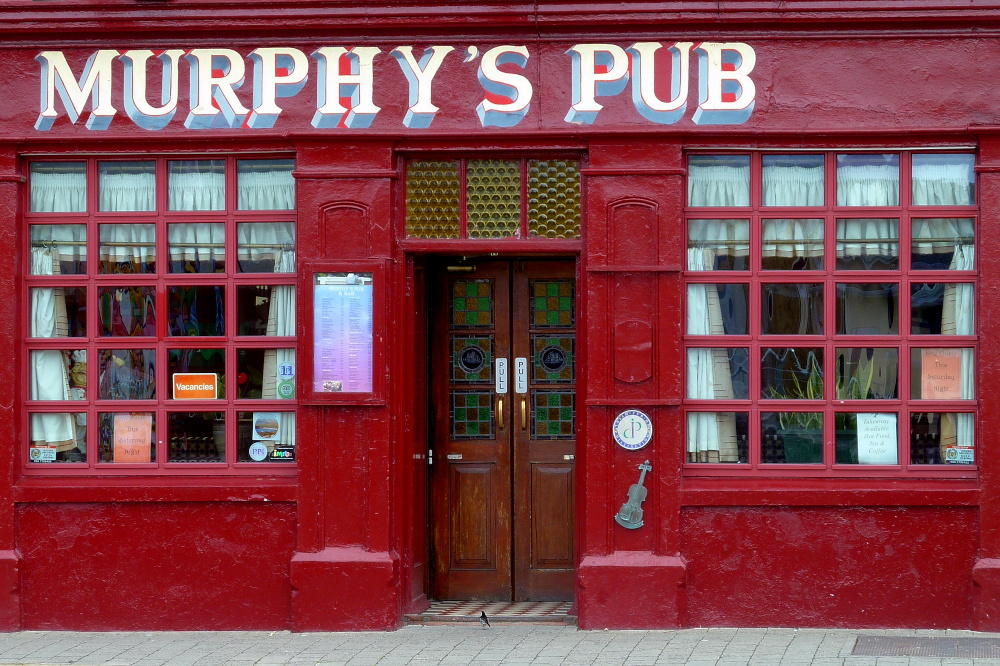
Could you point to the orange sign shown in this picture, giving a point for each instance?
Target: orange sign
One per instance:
(133, 437)
(941, 374)
(196, 386)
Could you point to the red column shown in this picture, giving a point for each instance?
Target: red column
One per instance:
(345, 573)
(986, 574)
(631, 277)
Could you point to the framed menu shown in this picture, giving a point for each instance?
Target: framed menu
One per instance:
(345, 345)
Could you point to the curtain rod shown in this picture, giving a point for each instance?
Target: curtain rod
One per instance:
(819, 241)
(173, 246)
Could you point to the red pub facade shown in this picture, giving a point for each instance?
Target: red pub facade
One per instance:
(677, 311)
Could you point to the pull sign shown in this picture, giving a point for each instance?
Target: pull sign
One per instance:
(521, 375)
(501, 375)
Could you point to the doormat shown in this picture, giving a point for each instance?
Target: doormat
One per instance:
(927, 646)
(497, 611)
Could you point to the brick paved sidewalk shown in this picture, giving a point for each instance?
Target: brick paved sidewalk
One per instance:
(470, 644)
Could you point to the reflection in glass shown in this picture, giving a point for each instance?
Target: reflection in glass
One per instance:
(943, 309)
(58, 249)
(196, 437)
(942, 373)
(793, 180)
(868, 244)
(196, 185)
(127, 186)
(59, 312)
(126, 374)
(938, 438)
(867, 373)
(58, 187)
(127, 311)
(718, 245)
(791, 374)
(199, 360)
(197, 248)
(868, 180)
(126, 437)
(719, 180)
(718, 437)
(718, 374)
(944, 244)
(127, 249)
(791, 309)
(791, 437)
(717, 309)
(266, 436)
(265, 309)
(792, 245)
(196, 310)
(868, 309)
(867, 439)
(944, 179)
(58, 437)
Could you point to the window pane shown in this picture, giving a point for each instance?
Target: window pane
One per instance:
(59, 312)
(58, 374)
(197, 248)
(196, 310)
(433, 193)
(265, 309)
(791, 437)
(792, 309)
(265, 373)
(718, 437)
(793, 180)
(127, 437)
(266, 247)
(944, 244)
(791, 374)
(790, 245)
(938, 438)
(266, 436)
(718, 245)
(554, 198)
(942, 374)
(265, 184)
(202, 361)
(717, 309)
(867, 439)
(127, 248)
(58, 249)
(944, 179)
(58, 187)
(868, 244)
(868, 309)
(719, 180)
(493, 198)
(868, 180)
(196, 437)
(943, 309)
(58, 437)
(718, 374)
(127, 186)
(865, 373)
(126, 374)
(127, 311)
(196, 185)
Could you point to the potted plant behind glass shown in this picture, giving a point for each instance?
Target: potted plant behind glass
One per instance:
(802, 432)
(852, 386)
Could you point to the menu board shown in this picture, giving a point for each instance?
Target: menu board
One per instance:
(342, 332)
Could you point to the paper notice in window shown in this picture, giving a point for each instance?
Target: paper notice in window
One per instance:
(132, 436)
(877, 440)
(941, 374)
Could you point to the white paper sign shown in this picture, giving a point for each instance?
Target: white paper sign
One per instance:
(877, 439)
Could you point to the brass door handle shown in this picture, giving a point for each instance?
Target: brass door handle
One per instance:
(500, 411)
(524, 413)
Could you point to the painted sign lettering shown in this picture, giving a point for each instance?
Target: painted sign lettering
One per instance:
(344, 80)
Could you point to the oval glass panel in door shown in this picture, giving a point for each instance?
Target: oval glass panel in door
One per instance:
(552, 358)
(472, 358)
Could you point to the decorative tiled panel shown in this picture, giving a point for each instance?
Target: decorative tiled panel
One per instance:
(472, 303)
(554, 198)
(432, 199)
(552, 358)
(553, 415)
(552, 303)
(472, 415)
(493, 198)
(472, 358)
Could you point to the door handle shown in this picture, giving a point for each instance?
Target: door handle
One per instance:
(500, 411)
(524, 413)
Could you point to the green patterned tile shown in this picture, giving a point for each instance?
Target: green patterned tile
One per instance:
(552, 303)
(472, 303)
(472, 414)
(553, 415)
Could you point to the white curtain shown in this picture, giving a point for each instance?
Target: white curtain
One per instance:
(49, 370)
(197, 242)
(127, 190)
(193, 186)
(266, 189)
(66, 242)
(127, 244)
(941, 184)
(868, 185)
(280, 322)
(58, 192)
(264, 241)
(711, 435)
(867, 238)
(721, 237)
(793, 186)
(792, 238)
(958, 318)
(718, 185)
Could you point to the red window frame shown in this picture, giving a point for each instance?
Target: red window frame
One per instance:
(829, 341)
(161, 280)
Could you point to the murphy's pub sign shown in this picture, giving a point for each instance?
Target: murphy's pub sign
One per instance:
(343, 87)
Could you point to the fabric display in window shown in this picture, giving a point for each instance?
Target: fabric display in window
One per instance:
(127, 248)
(199, 246)
(957, 318)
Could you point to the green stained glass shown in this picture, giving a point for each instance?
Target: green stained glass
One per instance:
(472, 358)
(553, 415)
(472, 303)
(552, 303)
(552, 358)
(472, 415)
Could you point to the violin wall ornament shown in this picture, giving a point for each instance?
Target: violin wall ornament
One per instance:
(630, 515)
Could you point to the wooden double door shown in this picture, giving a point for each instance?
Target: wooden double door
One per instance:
(504, 371)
